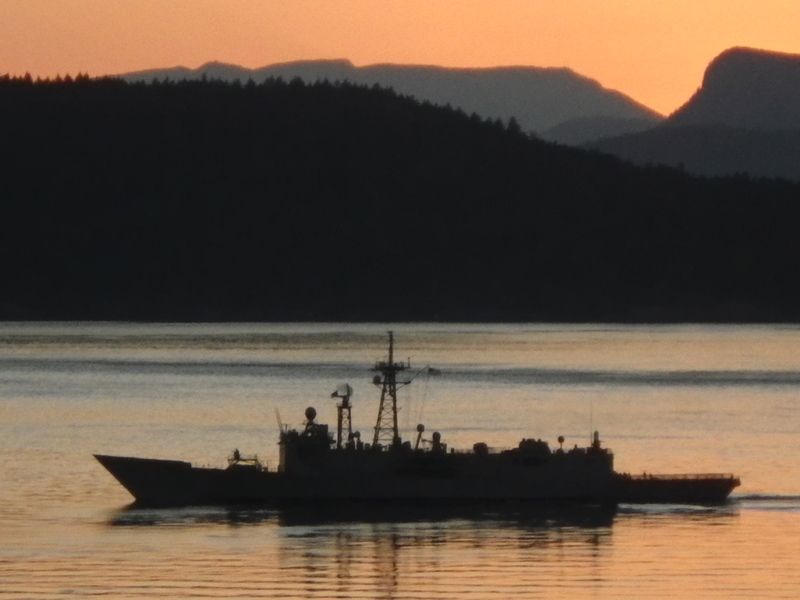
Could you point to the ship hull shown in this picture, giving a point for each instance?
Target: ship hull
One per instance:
(170, 483)
(675, 489)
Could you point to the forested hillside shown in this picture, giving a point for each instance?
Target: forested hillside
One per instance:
(284, 201)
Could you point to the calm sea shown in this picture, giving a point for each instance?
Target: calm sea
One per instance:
(665, 399)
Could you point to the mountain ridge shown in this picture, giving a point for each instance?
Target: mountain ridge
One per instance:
(538, 98)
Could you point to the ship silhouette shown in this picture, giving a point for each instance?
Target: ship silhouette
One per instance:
(316, 467)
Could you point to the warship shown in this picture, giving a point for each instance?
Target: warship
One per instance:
(316, 467)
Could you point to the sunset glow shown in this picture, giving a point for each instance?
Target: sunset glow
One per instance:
(655, 52)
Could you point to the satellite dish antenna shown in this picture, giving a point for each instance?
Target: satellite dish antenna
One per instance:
(343, 390)
(420, 430)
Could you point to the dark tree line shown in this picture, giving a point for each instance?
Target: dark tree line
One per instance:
(331, 201)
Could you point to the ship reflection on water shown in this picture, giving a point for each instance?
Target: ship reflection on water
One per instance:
(382, 552)
(355, 550)
(344, 514)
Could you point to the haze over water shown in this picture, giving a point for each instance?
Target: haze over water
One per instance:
(665, 399)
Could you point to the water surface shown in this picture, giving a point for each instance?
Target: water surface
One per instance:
(665, 399)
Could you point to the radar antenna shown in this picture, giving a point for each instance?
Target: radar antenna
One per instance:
(386, 425)
(343, 411)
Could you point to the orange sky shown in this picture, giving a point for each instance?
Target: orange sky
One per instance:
(653, 50)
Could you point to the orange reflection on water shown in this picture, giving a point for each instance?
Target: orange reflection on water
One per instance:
(643, 553)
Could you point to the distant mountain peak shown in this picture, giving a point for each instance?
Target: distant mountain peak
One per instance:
(746, 88)
(745, 67)
(744, 119)
(213, 64)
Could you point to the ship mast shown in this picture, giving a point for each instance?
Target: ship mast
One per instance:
(386, 426)
(344, 419)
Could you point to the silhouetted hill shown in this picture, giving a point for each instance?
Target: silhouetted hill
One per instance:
(747, 89)
(284, 201)
(711, 150)
(538, 98)
(744, 119)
